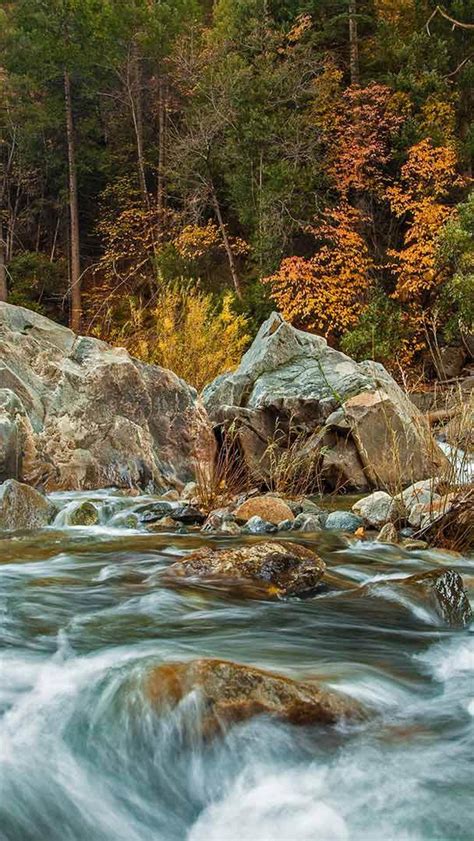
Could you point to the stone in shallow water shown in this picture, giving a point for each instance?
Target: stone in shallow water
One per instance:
(187, 514)
(388, 534)
(232, 692)
(271, 569)
(150, 512)
(22, 507)
(343, 521)
(258, 526)
(269, 508)
(85, 514)
(444, 590)
(307, 523)
(377, 509)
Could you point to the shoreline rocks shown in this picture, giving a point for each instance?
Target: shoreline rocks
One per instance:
(22, 507)
(76, 413)
(352, 418)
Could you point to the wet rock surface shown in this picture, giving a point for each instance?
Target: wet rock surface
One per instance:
(22, 507)
(270, 569)
(229, 693)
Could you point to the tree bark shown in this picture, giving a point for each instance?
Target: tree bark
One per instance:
(160, 186)
(227, 246)
(3, 270)
(135, 95)
(75, 263)
(353, 43)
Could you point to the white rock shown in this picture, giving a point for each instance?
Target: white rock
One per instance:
(377, 509)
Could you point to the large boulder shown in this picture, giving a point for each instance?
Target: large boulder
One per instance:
(22, 507)
(271, 569)
(367, 432)
(227, 693)
(76, 413)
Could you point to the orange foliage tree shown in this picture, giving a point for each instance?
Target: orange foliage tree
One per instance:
(426, 179)
(325, 293)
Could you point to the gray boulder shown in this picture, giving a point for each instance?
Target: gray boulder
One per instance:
(21, 507)
(76, 413)
(356, 425)
(308, 522)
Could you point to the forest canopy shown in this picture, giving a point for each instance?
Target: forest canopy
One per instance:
(187, 163)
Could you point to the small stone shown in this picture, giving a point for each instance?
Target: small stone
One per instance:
(189, 491)
(307, 523)
(343, 521)
(310, 507)
(150, 512)
(85, 514)
(377, 509)
(164, 523)
(230, 527)
(187, 514)
(172, 495)
(422, 492)
(217, 518)
(414, 545)
(285, 525)
(258, 526)
(388, 534)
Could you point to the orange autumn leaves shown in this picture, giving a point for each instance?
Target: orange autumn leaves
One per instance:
(328, 291)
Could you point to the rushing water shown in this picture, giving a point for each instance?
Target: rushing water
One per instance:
(85, 758)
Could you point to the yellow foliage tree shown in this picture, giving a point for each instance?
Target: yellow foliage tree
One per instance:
(326, 293)
(187, 332)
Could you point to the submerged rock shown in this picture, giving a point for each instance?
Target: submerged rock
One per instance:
(77, 413)
(377, 509)
(228, 693)
(22, 507)
(265, 570)
(444, 591)
(269, 508)
(85, 514)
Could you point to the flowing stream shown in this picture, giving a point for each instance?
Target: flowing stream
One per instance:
(84, 757)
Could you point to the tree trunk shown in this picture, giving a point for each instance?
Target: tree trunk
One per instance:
(75, 264)
(228, 249)
(353, 43)
(3, 270)
(135, 95)
(160, 186)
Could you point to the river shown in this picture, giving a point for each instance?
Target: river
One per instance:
(84, 757)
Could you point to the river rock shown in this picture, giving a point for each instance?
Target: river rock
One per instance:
(228, 693)
(256, 525)
(377, 509)
(269, 508)
(188, 514)
(420, 492)
(151, 512)
(421, 514)
(307, 523)
(88, 415)
(443, 590)
(343, 521)
(388, 534)
(271, 569)
(291, 380)
(84, 514)
(22, 507)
